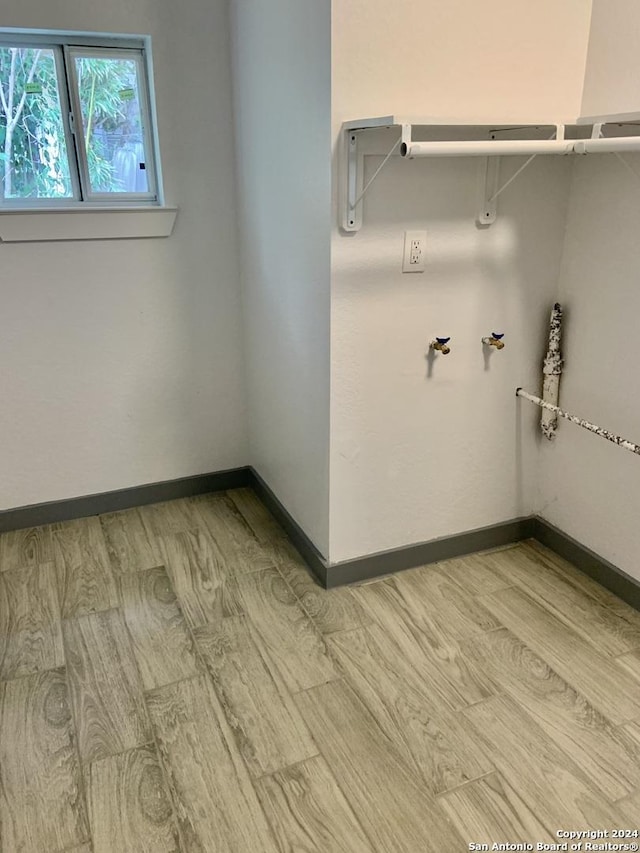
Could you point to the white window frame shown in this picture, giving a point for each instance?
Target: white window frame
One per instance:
(66, 46)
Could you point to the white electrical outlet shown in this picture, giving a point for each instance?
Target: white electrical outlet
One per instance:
(415, 247)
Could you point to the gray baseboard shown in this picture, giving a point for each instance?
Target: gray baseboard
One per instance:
(510, 532)
(82, 507)
(308, 551)
(350, 571)
(590, 563)
(387, 562)
(331, 575)
(605, 573)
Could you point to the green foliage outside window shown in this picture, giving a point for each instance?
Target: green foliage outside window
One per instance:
(33, 155)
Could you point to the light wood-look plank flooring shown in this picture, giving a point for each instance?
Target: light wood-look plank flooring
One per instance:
(173, 680)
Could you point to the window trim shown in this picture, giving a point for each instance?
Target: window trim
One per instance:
(30, 225)
(64, 43)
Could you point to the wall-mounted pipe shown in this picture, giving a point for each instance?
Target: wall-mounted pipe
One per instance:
(603, 433)
(551, 371)
(486, 148)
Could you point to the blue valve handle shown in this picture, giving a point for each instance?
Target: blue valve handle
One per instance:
(443, 340)
(497, 336)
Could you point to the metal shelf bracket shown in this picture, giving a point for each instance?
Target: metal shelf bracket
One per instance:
(489, 181)
(355, 191)
(353, 166)
(489, 176)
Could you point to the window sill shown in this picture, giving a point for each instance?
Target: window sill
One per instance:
(92, 223)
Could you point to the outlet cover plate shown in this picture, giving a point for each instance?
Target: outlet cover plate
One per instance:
(415, 251)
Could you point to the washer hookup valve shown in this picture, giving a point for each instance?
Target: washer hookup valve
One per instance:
(440, 344)
(494, 340)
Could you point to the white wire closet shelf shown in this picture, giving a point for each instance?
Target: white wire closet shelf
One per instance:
(431, 137)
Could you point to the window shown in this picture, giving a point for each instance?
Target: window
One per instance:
(75, 122)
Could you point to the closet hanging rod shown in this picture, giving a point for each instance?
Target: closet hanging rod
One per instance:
(596, 430)
(488, 148)
(607, 146)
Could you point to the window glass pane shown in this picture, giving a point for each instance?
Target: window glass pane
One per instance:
(110, 95)
(33, 152)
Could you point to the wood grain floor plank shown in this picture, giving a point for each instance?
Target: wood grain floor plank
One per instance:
(274, 542)
(30, 634)
(129, 807)
(631, 663)
(131, 541)
(330, 609)
(632, 729)
(162, 644)
(490, 809)
(439, 659)
(201, 577)
(414, 649)
(85, 579)
(170, 516)
(600, 679)
(393, 808)
(628, 617)
(434, 743)
(545, 776)
(309, 813)
(591, 619)
(473, 575)
(41, 805)
(267, 725)
(630, 810)
(216, 805)
(606, 754)
(232, 535)
(289, 638)
(27, 547)
(587, 585)
(106, 691)
(263, 525)
(555, 563)
(434, 599)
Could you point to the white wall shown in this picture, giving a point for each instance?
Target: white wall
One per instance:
(282, 88)
(416, 457)
(121, 362)
(511, 58)
(591, 489)
(612, 79)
